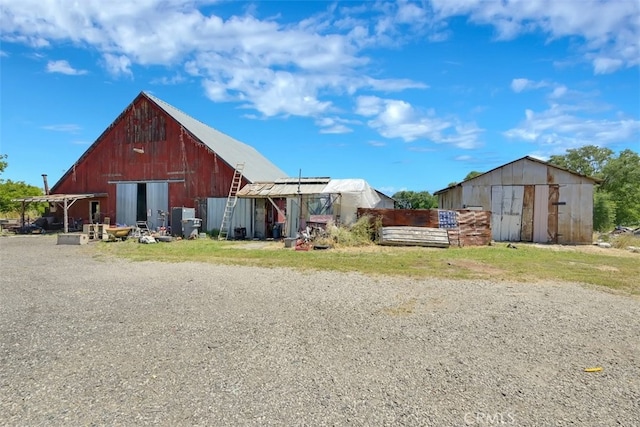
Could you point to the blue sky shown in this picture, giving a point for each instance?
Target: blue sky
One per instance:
(407, 95)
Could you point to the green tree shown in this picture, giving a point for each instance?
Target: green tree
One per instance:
(617, 198)
(472, 174)
(604, 211)
(415, 200)
(622, 183)
(3, 162)
(589, 160)
(16, 189)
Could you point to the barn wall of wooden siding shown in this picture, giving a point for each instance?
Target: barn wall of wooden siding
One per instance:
(165, 152)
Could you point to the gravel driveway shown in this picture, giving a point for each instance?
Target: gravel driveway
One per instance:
(87, 341)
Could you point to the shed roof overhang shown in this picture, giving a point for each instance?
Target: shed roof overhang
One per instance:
(284, 188)
(64, 200)
(59, 198)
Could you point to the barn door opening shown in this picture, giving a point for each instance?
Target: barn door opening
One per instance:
(141, 202)
(94, 212)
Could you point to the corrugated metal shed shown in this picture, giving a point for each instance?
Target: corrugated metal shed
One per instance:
(530, 200)
(257, 167)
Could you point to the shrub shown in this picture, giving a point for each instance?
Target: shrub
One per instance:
(361, 233)
(624, 240)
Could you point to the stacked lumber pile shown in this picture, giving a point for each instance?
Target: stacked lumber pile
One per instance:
(462, 227)
(414, 236)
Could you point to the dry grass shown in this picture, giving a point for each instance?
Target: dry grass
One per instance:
(611, 268)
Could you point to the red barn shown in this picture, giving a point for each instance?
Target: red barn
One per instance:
(154, 157)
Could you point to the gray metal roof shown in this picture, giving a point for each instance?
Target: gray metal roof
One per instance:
(256, 166)
(284, 188)
(533, 159)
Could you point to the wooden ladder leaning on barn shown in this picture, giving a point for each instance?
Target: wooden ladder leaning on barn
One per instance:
(236, 181)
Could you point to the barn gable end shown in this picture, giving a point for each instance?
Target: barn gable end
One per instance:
(155, 155)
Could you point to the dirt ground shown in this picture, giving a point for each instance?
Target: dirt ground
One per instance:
(88, 340)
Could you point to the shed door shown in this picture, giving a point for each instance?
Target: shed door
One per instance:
(541, 214)
(506, 212)
(552, 223)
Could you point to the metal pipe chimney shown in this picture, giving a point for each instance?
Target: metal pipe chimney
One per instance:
(46, 184)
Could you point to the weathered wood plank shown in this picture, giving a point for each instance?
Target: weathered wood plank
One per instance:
(414, 236)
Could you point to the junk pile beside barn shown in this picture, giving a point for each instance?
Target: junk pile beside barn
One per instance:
(431, 227)
(295, 203)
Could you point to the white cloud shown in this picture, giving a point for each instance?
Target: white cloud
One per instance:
(377, 143)
(336, 129)
(63, 67)
(70, 128)
(335, 125)
(277, 69)
(609, 30)
(519, 85)
(464, 158)
(606, 65)
(558, 92)
(560, 127)
(398, 119)
(118, 65)
(176, 79)
(368, 105)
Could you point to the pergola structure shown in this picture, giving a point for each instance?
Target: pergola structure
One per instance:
(63, 200)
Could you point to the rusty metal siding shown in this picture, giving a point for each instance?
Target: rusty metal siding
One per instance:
(556, 205)
(552, 219)
(506, 209)
(575, 219)
(526, 231)
(451, 199)
(562, 177)
(540, 213)
(476, 196)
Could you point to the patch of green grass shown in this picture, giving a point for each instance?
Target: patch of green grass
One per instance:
(527, 263)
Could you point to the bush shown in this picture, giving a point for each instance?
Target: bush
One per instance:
(604, 211)
(361, 233)
(624, 240)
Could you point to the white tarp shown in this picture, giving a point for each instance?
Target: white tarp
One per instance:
(359, 190)
(354, 194)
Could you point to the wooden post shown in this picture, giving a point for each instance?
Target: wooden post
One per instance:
(66, 217)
